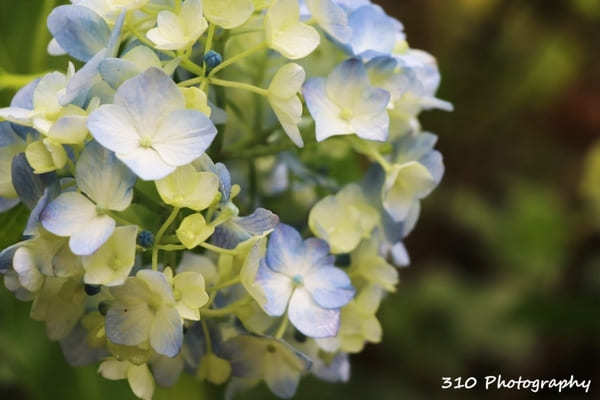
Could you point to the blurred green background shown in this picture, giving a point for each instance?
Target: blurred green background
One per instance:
(506, 258)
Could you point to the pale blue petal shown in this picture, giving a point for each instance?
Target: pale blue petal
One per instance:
(79, 31)
(129, 324)
(91, 237)
(183, 136)
(166, 333)
(224, 180)
(335, 371)
(50, 193)
(282, 378)
(323, 110)
(330, 287)
(317, 252)
(331, 18)
(149, 98)
(434, 162)
(6, 257)
(115, 36)
(374, 126)
(76, 350)
(240, 229)
(114, 128)
(54, 48)
(28, 185)
(372, 30)
(346, 81)
(69, 213)
(115, 71)
(285, 250)
(167, 370)
(276, 287)
(24, 99)
(157, 283)
(309, 318)
(83, 80)
(104, 178)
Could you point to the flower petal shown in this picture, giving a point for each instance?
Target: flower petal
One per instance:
(129, 324)
(309, 318)
(285, 251)
(104, 178)
(183, 136)
(277, 289)
(92, 236)
(78, 30)
(114, 128)
(68, 214)
(166, 334)
(329, 287)
(149, 98)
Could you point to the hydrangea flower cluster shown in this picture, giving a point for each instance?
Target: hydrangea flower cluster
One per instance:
(142, 255)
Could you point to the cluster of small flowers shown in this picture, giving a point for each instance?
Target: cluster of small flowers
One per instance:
(134, 253)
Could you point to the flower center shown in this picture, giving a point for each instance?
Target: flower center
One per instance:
(298, 280)
(346, 114)
(146, 142)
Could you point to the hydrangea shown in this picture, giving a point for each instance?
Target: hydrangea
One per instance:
(148, 248)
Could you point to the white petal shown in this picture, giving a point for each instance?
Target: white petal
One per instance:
(141, 381)
(114, 128)
(113, 369)
(309, 318)
(297, 41)
(146, 163)
(93, 235)
(183, 136)
(21, 116)
(104, 178)
(324, 111)
(71, 129)
(288, 81)
(149, 98)
(67, 214)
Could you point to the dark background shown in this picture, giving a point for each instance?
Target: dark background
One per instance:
(506, 258)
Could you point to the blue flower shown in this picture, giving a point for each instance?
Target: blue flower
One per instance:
(373, 32)
(108, 185)
(346, 103)
(300, 276)
(149, 127)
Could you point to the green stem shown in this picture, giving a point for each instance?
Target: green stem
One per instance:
(191, 66)
(171, 247)
(216, 249)
(207, 339)
(282, 327)
(193, 81)
(209, 38)
(226, 284)
(238, 58)
(239, 85)
(159, 236)
(222, 312)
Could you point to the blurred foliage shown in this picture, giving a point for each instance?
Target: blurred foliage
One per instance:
(506, 260)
